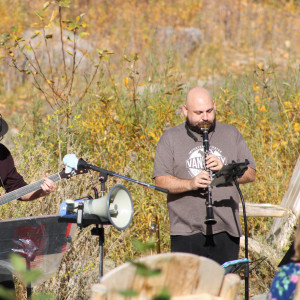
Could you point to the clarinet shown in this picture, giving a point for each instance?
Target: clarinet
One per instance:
(209, 219)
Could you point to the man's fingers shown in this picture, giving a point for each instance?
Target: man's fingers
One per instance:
(213, 163)
(202, 180)
(48, 185)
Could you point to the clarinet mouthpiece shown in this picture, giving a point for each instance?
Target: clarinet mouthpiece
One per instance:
(205, 127)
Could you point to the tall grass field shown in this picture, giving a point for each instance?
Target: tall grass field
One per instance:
(104, 79)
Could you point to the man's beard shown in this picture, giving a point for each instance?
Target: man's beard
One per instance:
(197, 128)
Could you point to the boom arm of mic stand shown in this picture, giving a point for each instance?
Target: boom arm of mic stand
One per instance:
(84, 164)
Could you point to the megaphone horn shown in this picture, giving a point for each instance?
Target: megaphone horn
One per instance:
(116, 206)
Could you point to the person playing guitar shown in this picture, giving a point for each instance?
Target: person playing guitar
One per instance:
(10, 179)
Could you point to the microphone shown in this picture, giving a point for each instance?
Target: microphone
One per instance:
(82, 164)
(73, 163)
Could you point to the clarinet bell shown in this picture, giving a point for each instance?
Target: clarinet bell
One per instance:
(210, 220)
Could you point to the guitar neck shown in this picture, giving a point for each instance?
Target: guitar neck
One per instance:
(16, 194)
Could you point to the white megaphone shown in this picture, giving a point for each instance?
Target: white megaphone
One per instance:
(116, 206)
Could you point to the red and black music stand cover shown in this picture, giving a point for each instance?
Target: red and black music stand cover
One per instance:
(42, 242)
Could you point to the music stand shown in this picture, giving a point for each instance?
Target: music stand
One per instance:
(225, 177)
(229, 172)
(41, 241)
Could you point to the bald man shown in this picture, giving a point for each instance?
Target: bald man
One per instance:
(181, 167)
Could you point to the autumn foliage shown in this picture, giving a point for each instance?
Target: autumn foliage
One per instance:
(109, 84)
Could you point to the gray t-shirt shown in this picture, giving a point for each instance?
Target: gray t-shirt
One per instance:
(178, 154)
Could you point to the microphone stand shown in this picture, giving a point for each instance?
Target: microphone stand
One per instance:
(230, 173)
(99, 231)
(103, 178)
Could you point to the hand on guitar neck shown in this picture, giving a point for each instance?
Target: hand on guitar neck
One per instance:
(47, 187)
(40, 188)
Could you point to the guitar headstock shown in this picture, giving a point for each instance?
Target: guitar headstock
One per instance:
(64, 175)
(71, 163)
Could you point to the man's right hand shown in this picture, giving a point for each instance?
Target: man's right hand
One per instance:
(176, 185)
(202, 180)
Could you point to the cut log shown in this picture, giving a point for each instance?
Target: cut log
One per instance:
(230, 286)
(185, 276)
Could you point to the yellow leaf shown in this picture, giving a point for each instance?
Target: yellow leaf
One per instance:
(83, 34)
(69, 52)
(296, 126)
(255, 87)
(45, 6)
(152, 134)
(262, 108)
(50, 25)
(260, 66)
(50, 81)
(126, 81)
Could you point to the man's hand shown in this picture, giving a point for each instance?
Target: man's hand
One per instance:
(48, 185)
(213, 163)
(202, 180)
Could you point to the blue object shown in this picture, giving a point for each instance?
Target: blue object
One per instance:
(235, 265)
(63, 211)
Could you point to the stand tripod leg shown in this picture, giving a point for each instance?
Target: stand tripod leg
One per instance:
(28, 287)
(29, 290)
(101, 253)
(100, 232)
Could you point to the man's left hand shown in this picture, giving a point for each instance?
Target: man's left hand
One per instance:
(48, 185)
(213, 163)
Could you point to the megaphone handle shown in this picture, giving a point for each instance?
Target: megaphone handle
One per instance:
(103, 178)
(96, 192)
(79, 214)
